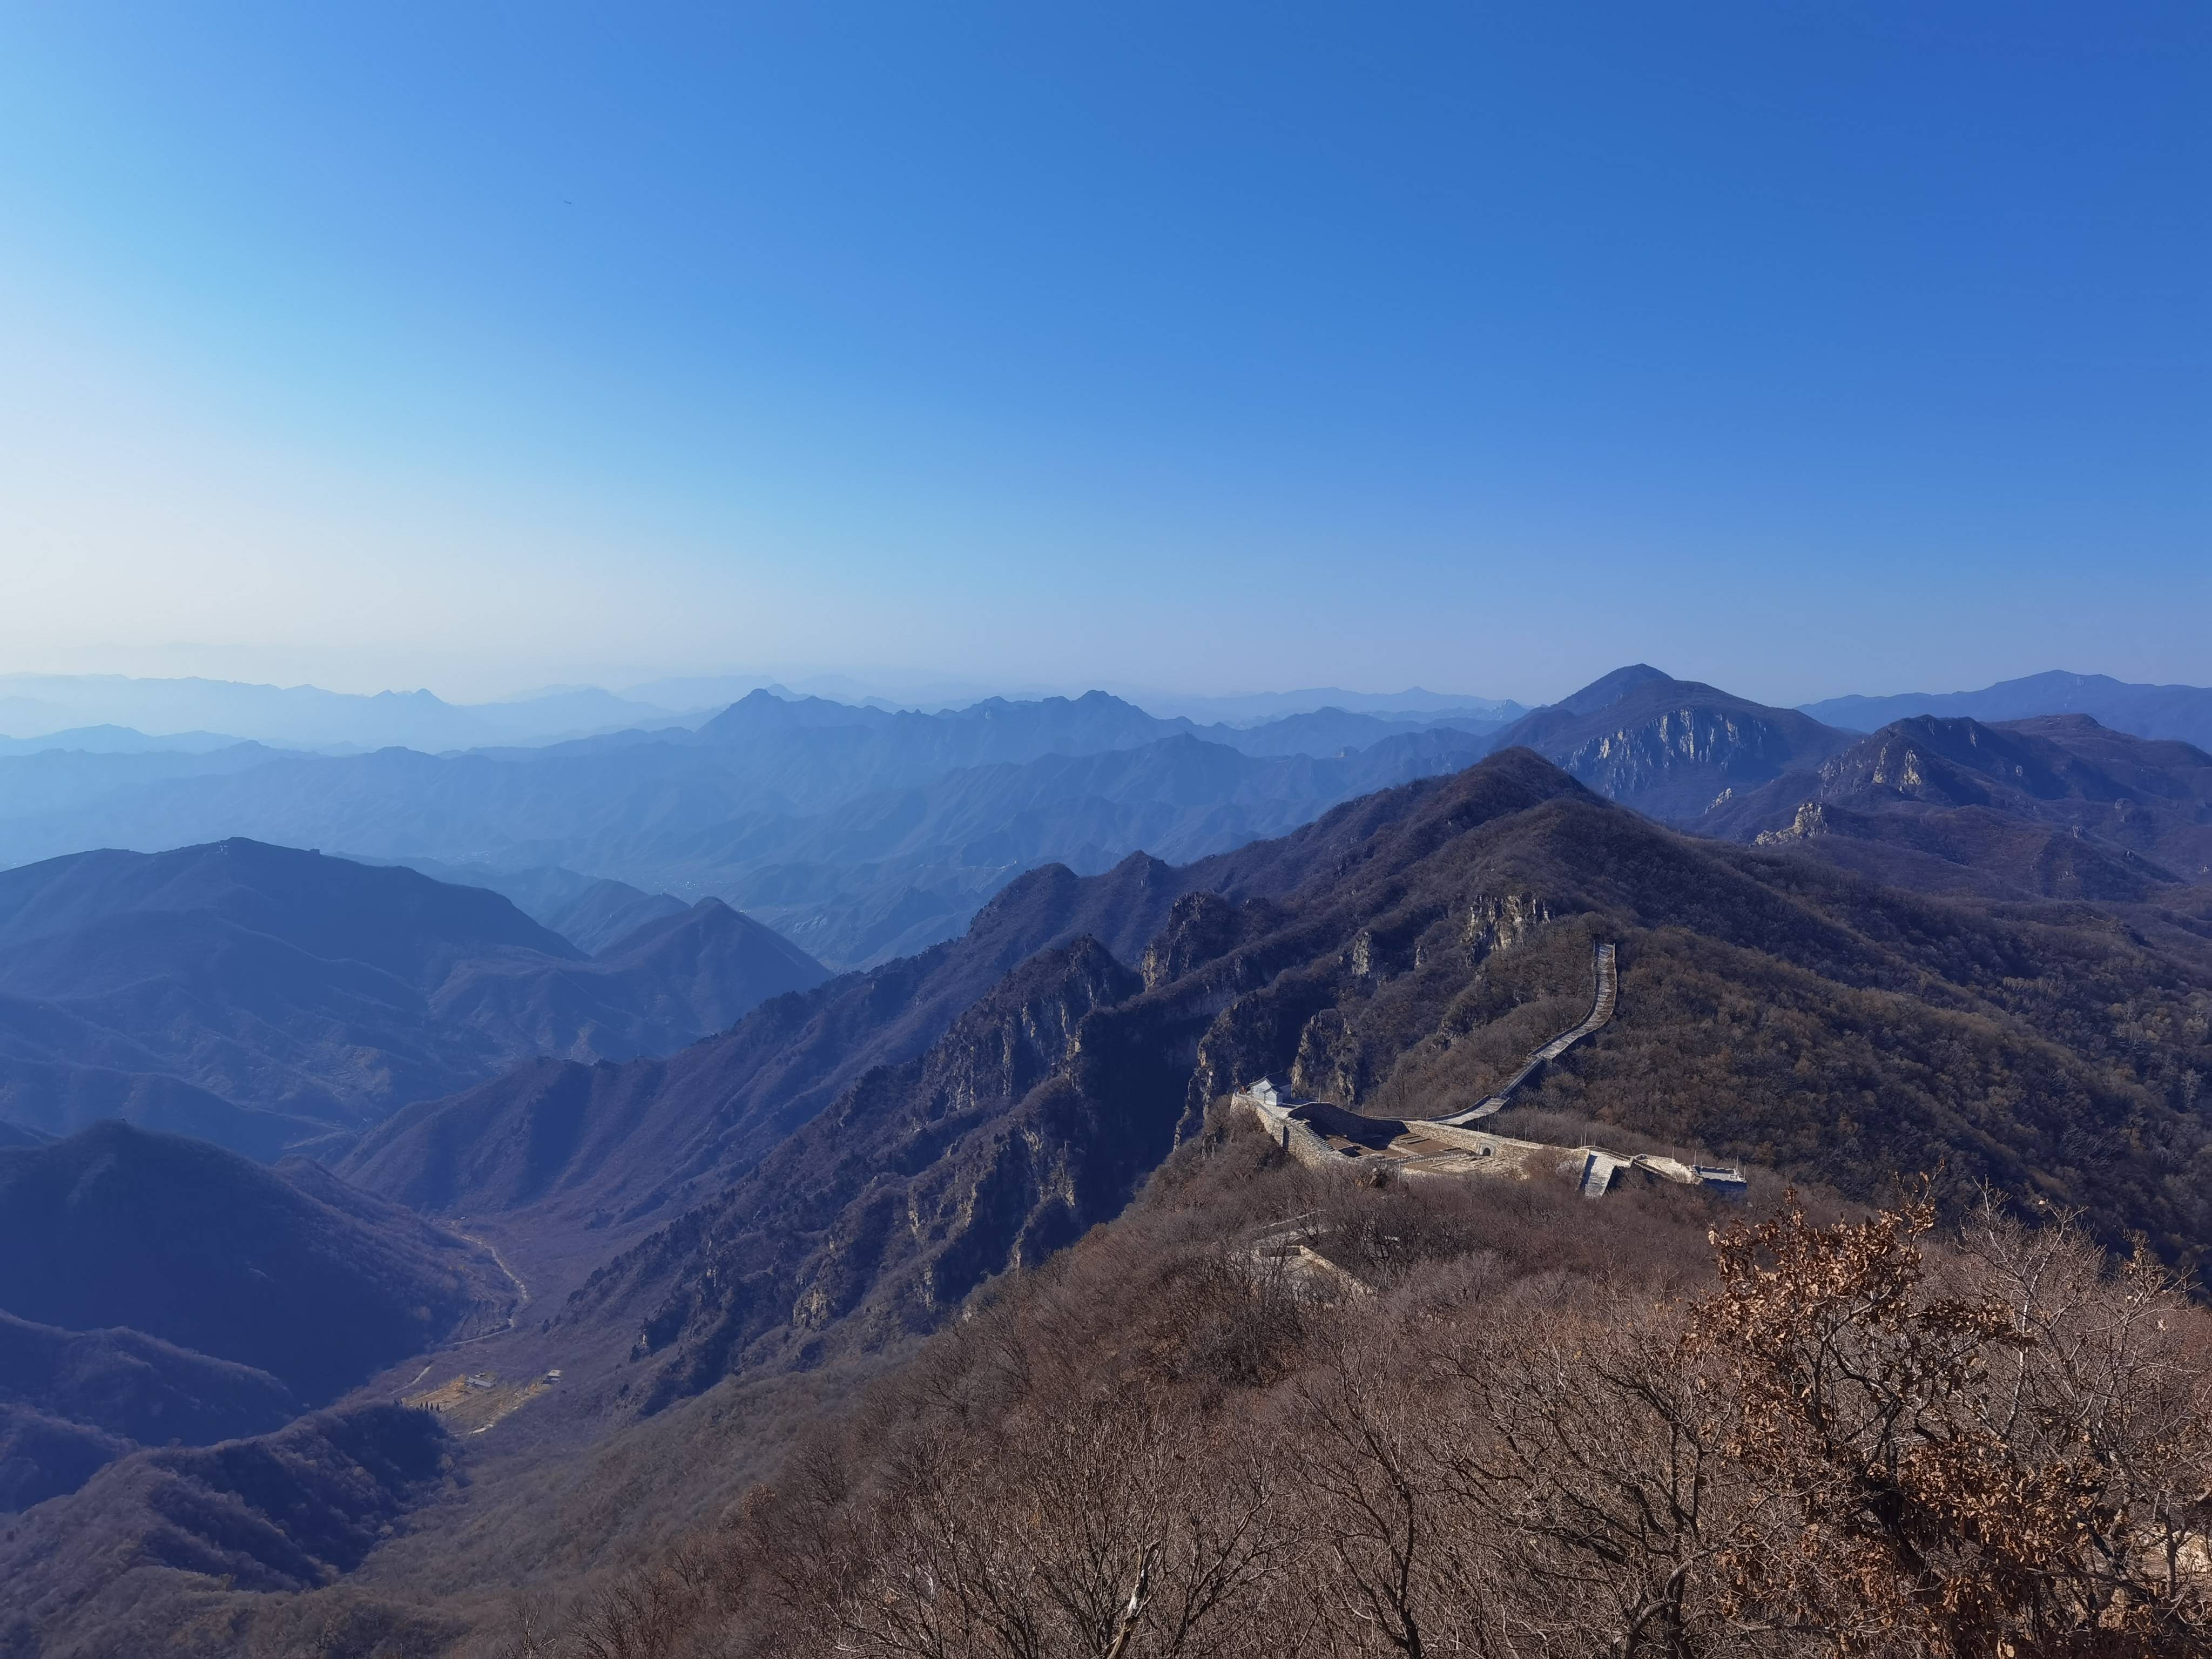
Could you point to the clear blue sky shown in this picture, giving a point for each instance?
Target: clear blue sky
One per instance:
(1803, 347)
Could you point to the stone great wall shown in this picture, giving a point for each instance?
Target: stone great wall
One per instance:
(1602, 1007)
(1323, 1136)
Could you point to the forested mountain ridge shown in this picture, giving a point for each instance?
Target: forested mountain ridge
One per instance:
(1401, 956)
(2057, 806)
(609, 1146)
(262, 996)
(158, 1291)
(72, 1402)
(281, 1269)
(251, 1519)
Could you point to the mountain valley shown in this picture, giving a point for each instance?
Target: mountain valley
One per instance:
(683, 1201)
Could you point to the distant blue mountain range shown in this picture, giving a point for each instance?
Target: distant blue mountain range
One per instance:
(2142, 711)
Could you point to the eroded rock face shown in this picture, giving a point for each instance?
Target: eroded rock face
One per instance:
(1495, 923)
(1675, 749)
(2059, 807)
(1332, 1062)
(1812, 819)
(1680, 750)
(917, 1183)
(1401, 956)
(1200, 928)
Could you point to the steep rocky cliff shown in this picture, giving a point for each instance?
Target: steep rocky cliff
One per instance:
(593, 1148)
(1672, 748)
(916, 1183)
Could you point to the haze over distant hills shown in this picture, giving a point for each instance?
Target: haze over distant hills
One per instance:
(109, 711)
(261, 997)
(37, 706)
(2144, 711)
(865, 832)
(858, 832)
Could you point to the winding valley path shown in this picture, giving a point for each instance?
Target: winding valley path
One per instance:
(1608, 993)
(522, 1291)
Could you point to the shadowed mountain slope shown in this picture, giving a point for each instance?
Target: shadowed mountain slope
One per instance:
(62, 782)
(392, 920)
(284, 1511)
(605, 913)
(657, 989)
(259, 995)
(2058, 805)
(119, 1078)
(72, 1400)
(589, 912)
(285, 1270)
(138, 1386)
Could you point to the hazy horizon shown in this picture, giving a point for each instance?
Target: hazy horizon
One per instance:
(1804, 353)
(1648, 571)
(919, 690)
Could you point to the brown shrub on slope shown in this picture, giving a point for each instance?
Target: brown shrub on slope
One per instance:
(1543, 1428)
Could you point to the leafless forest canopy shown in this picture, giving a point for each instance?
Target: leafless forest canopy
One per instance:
(1502, 1424)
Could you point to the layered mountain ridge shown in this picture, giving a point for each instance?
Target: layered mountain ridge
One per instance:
(795, 1201)
(2058, 805)
(865, 832)
(712, 1229)
(926, 815)
(2182, 712)
(261, 996)
(1399, 956)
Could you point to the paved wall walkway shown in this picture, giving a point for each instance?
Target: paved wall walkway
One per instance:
(1327, 1137)
(1608, 992)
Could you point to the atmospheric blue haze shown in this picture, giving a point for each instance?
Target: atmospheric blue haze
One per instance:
(1806, 349)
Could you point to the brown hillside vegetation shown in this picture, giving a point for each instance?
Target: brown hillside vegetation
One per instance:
(876, 1181)
(1547, 1428)
(1402, 956)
